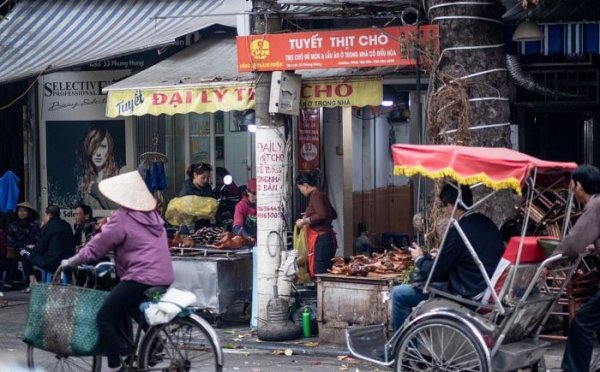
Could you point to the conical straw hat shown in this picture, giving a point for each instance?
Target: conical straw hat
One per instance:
(128, 190)
(28, 205)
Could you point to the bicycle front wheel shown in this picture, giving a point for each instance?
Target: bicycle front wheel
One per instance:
(180, 345)
(46, 361)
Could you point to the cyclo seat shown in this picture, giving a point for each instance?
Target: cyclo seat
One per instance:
(532, 255)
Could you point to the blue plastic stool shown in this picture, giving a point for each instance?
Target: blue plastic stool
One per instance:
(48, 277)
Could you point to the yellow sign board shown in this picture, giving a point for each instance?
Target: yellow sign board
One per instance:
(341, 93)
(239, 97)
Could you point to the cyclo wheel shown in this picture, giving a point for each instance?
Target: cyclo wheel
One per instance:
(440, 345)
(43, 360)
(182, 345)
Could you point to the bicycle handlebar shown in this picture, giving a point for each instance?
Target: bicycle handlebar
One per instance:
(98, 270)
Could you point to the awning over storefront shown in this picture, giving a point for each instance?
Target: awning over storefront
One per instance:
(41, 36)
(204, 78)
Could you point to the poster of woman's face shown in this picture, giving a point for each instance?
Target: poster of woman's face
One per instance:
(79, 155)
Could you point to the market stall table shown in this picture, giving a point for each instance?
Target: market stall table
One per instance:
(218, 278)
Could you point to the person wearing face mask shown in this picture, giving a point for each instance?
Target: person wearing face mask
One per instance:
(96, 162)
(244, 218)
(198, 184)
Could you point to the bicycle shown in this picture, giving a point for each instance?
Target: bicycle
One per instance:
(186, 343)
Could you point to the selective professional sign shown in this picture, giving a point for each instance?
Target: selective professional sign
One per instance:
(367, 47)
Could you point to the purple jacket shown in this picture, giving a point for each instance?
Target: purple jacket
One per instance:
(139, 243)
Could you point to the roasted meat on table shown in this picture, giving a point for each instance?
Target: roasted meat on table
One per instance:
(388, 262)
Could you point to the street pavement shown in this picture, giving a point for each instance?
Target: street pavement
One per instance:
(243, 351)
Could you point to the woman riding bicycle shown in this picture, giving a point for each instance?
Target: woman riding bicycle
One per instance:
(135, 233)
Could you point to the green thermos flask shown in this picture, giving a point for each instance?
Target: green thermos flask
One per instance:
(306, 322)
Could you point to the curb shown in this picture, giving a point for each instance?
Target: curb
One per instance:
(253, 343)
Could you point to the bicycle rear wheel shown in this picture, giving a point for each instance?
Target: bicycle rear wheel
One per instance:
(182, 345)
(47, 361)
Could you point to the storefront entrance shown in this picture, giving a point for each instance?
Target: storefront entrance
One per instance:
(560, 135)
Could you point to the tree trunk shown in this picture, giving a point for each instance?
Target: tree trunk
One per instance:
(468, 97)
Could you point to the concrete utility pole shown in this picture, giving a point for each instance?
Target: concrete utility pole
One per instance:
(271, 170)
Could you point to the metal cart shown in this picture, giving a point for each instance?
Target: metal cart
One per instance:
(219, 278)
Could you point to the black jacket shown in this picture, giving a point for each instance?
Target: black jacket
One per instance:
(84, 232)
(188, 188)
(56, 243)
(456, 265)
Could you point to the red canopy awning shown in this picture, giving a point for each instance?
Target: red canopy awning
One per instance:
(495, 167)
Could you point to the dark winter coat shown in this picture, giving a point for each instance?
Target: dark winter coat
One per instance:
(188, 188)
(456, 265)
(22, 233)
(56, 243)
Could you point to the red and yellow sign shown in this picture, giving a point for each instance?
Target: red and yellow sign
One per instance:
(366, 47)
(315, 93)
(309, 139)
(182, 100)
(358, 92)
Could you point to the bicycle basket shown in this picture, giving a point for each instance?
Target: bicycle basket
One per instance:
(62, 319)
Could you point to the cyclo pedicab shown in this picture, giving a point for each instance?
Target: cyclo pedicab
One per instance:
(501, 332)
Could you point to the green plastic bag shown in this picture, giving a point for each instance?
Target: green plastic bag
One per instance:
(301, 245)
(185, 210)
(62, 319)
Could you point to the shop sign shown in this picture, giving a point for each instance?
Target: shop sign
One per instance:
(270, 175)
(309, 140)
(341, 93)
(180, 101)
(366, 47)
(315, 93)
(76, 95)
(79, 146)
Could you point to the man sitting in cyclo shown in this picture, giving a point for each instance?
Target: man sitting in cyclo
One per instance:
(455, 264)
(137, 236)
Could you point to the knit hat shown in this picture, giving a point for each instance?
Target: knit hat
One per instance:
(128, 190)
(251, 185)
(34, 214)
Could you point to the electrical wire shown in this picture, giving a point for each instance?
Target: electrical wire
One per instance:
(26, 90)
(432, 76)
(475, 127)
(467, 17)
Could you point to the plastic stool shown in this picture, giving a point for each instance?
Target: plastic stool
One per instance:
(48, 277)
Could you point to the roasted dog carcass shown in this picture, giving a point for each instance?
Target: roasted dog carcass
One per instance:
(394, 261)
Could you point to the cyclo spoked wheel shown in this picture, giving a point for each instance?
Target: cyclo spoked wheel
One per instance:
(43, 360)
(440, 345)
(180, 345)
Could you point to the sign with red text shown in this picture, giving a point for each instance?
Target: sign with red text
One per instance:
(183, 100)
(338, 92)
(271, 165)
(365, 47)
(309, 139)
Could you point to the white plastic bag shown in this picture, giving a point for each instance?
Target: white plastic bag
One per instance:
(170, 304)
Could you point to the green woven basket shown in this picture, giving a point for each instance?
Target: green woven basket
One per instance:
(62, 319)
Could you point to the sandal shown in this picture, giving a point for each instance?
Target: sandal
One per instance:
(26, 290)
